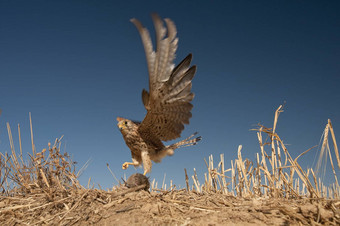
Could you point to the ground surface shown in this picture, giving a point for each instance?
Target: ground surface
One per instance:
(181, 208)
(178, 207)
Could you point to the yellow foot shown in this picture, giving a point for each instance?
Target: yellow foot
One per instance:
(125, 165)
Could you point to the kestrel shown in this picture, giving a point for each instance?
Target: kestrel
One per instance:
(167, 102)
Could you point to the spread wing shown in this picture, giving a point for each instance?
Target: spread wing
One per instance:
(168, 100)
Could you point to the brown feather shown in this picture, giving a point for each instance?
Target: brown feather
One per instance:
(167, 102)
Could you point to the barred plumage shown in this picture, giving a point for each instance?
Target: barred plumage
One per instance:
(167, 102)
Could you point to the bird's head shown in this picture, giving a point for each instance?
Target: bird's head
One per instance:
(126, 125)
(123, 124)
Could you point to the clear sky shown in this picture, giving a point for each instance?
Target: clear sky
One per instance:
(77, 65)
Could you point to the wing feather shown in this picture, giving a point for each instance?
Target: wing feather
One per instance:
(168, 101)
(149, 53)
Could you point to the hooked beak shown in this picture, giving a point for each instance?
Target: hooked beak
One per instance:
(120, 123)
(120, 126)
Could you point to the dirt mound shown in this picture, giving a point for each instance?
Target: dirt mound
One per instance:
(181, 207)
(129, 207)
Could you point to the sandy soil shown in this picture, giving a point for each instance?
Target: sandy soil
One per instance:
(177, 207)
(183, 208)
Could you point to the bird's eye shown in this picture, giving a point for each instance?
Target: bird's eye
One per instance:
(125, 122)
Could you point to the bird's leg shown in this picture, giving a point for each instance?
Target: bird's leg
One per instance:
(147, 164)
(126, 164)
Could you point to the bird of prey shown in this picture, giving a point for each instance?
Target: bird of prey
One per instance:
(167, 102)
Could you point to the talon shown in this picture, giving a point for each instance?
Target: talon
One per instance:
(125, 165)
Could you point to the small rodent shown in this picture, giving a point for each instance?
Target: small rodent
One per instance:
(137, 179)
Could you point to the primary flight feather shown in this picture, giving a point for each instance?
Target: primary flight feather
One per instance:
(167, 102)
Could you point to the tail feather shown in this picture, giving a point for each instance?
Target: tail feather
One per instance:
(169, 150)
(186, 142)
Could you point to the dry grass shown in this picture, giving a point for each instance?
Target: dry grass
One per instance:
(274, 173)
(274, 189)
(46, 171)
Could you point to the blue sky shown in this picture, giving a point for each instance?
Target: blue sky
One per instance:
(77, 65)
